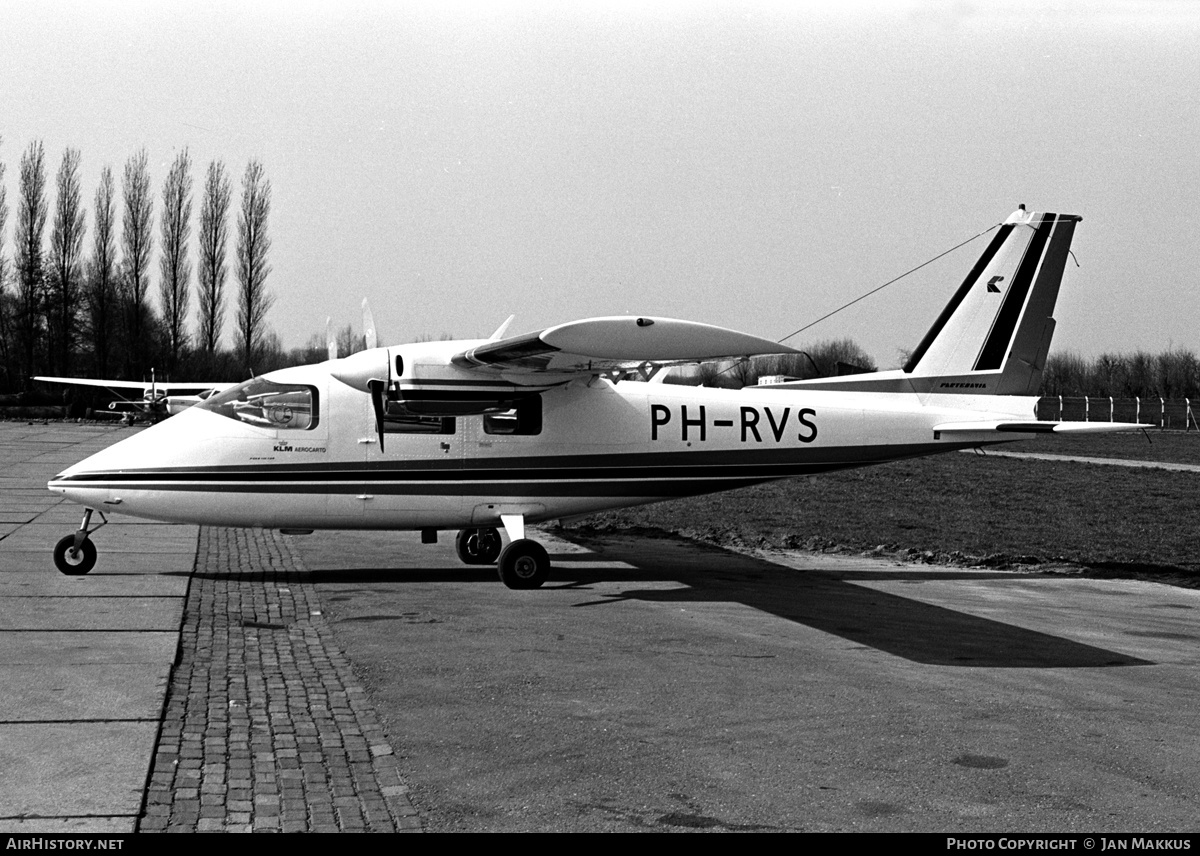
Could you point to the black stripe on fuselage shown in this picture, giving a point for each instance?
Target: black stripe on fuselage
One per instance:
(427, 383)
(995, 349)
(636, 463)
(489, 490)
(549, 476)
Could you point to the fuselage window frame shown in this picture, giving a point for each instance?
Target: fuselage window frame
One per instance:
(397, 421)
(268, 405)
(523, 419)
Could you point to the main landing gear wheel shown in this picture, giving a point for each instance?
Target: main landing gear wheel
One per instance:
(74, 562)
(478, 546)
(523, 564)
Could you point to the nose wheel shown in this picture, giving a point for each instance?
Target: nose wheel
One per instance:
(74, 560)
(75, 555)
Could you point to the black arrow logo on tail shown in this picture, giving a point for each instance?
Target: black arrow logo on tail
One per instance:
(992, 284)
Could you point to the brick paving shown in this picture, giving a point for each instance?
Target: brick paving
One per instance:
(265, 726)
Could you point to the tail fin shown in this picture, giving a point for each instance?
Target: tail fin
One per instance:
(994, 335)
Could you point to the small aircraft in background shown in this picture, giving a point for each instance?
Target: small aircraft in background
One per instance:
(157, 400)
(492, 434)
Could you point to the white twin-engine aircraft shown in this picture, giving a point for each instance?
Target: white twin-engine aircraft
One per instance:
(498, 433)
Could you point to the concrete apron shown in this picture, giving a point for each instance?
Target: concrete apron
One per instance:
(84, 661)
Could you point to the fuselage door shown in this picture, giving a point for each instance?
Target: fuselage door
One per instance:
(414, 480)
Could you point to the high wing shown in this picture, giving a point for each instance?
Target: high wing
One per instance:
(614, 343)
(190, 388)
(488, 375)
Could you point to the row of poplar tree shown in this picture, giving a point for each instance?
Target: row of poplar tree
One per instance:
(78, 307)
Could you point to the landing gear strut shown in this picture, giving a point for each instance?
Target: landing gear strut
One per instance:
(75, 555)
(478, 546)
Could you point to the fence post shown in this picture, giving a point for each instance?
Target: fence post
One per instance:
(1162, 416)
(1138, 414)
(1087, 408)
(1060, 419)
(1110, 409)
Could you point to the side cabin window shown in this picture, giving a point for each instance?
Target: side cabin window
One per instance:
(264, 404)
(523, 418)
(399, 420)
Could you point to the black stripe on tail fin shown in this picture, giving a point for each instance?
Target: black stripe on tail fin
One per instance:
(1011, 306)
(972, 278)
(1030, 343)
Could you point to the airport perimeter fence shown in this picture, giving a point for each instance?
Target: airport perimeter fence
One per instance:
(1165, 413)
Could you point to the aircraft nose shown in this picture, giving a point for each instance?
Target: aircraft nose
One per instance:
(64, 479)
(81, 481)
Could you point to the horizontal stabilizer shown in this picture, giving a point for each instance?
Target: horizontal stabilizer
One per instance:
(615, 343)
(1035, 427)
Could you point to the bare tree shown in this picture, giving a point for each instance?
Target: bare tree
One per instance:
(66, 255)
(1174, 373)
(252, 268)
(214, 238)
(136, 240)
(840, 357)
(31, 224)
(174, 265)
(102, 272)
(347, 342)
(3, 223)
(6, 303)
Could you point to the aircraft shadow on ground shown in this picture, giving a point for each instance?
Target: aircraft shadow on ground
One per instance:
(830, 602)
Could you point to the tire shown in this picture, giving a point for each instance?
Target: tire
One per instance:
(478, 546)
(462, 546)
(523, 564)
(80, 564)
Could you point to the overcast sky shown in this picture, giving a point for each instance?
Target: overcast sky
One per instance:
(750, 164)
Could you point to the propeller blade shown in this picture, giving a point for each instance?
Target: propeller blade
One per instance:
(369, 326)
(501, 330)
(377, 392)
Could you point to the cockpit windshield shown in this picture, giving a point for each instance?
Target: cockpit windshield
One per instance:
(264, 404)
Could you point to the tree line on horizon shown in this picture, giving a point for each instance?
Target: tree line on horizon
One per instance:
(71, 306)
(828, 358)
(1174, 373)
